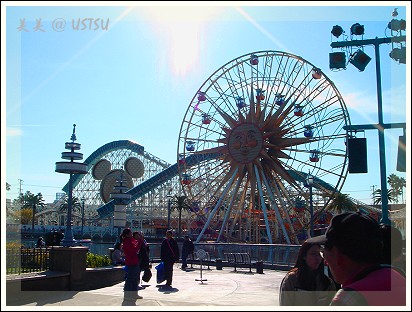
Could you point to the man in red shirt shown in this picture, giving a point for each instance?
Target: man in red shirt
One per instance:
(353, 250)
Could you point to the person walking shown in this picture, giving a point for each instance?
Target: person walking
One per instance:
(353, 250)
(131, 248)
(187, 249)
(169, 254)
(306, 283)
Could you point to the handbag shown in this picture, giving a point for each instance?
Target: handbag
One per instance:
(160, 276)
(147, 275)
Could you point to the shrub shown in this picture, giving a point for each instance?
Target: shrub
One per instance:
(95, 261)
(13, 245)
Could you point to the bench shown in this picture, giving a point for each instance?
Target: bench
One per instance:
(238, 259)
(193, 259)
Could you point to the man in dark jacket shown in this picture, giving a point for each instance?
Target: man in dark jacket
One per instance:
(169, 254)
(187, 249)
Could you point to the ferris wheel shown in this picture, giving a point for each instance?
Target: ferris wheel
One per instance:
(255, 130)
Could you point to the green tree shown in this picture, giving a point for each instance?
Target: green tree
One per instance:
(397, 184)
(24, 215)
(76, 205)
(341, 203)
(29, 200)
(377, 195)
(8, 187)
(180, 203)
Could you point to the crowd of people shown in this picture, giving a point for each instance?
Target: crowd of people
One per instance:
(355, 263)
(132, 251)
(361, 256)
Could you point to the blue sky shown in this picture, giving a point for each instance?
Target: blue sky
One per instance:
(135, 78)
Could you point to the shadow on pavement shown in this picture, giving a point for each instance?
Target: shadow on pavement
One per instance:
(39, 297)
(167, 289)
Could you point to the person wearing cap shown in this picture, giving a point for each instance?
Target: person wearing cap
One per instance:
(306, 283)
(353, 251)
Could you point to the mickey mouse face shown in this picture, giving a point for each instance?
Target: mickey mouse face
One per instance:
(134, 168)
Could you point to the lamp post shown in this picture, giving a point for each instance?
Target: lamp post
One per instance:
(83, 200)
(71, 168)
(169, 206)
(309, 183)
(381, 126)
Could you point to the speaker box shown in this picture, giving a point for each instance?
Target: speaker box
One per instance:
(337, 60)
(357, 153)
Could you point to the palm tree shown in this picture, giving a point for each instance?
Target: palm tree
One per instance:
(377, 195)
(29, 200)
(397, 184)
(76, 205)
(180, 203)
(341, 203)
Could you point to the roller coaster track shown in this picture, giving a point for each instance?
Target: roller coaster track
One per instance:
(170, 172)
(153, 182)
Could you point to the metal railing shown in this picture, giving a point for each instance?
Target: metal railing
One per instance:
(25, 260)
(270, 254)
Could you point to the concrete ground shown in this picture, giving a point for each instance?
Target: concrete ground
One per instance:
(193, 287)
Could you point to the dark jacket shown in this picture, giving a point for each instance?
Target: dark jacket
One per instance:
(144, 257)
(188, 247)
(169, 254)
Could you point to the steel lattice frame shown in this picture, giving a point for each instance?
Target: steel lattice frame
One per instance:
(149, 206)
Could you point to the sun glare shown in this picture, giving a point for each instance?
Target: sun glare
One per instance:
(181, 28)
(184, 47)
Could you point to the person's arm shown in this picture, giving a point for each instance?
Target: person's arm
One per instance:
(287, 292)
(162, 251)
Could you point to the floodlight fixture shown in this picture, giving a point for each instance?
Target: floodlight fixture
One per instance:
(357, 29)
(398, 54)
(359, 59)
(397, 25)
(337, 60)
(337, 31)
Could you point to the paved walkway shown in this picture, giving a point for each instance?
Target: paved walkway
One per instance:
(209, 287)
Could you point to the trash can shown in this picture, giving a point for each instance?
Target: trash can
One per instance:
(259, 267)
(219, 265)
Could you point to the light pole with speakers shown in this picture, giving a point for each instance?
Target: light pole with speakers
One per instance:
(71, 168)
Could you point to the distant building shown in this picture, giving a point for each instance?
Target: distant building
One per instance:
(59, 196)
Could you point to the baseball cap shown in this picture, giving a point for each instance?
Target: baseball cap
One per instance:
(355, 234)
